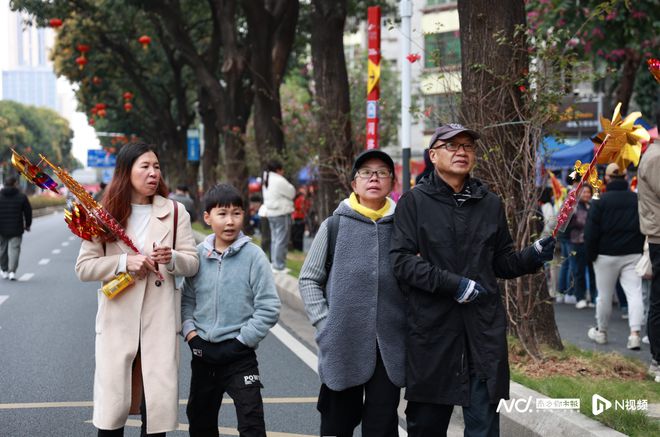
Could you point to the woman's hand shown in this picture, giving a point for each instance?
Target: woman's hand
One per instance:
(161, 254)
(140, 265)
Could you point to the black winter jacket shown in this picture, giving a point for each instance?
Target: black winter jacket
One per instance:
(613, 223)
(15, 212)
(434, 244)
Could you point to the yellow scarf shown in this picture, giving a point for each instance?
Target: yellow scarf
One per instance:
(368, 212)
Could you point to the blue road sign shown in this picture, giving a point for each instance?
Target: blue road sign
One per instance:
(100, 158)
(193, 145)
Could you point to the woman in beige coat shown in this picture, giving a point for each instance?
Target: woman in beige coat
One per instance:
(137, 331)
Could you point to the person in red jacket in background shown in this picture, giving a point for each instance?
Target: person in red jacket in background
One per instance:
(300, 208)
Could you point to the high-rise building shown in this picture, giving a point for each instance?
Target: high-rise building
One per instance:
(27, 76)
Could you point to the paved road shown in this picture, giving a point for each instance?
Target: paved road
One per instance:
(47, 352)
(573, 325)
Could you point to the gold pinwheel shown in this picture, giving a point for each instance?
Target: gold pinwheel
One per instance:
(624, 139)
(581, 168)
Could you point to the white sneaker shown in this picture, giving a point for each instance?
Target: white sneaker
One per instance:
(570, 299)
(645, 339)
(634, 342)
(654, 370)
(581, 304)
(559, 298)
(597, 336)
(12, 276)
(591, 305)
(3, 274)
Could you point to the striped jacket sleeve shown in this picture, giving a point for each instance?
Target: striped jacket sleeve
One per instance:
(312, 279)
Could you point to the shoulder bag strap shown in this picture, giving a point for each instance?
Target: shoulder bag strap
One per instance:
(176, 222)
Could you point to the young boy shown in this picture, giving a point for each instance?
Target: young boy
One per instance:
(227, 308)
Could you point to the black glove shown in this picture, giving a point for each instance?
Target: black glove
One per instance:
(468, 290)
(545, 249)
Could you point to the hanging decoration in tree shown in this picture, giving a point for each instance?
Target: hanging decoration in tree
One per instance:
(654, 67)
(55, 22)
(97, 80)
(100, 109)
(91, 121)
(145, 40)
(128, 105)
(81, 61)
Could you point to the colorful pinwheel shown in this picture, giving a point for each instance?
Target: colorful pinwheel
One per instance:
(32, 172)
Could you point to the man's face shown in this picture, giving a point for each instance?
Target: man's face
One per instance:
(456, 163)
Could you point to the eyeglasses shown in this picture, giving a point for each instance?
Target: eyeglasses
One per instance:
(365, 173)
(453, 147)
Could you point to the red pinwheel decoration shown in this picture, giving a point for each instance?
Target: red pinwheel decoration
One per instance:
(82, 224)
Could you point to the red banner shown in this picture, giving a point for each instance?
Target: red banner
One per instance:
(373, 76)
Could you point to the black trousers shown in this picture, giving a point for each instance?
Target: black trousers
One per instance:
(297, 234)
(654, 303)
(342, 411)
(241, 381)
(481, 418)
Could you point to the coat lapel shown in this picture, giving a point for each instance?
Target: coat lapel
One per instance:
(158, 228)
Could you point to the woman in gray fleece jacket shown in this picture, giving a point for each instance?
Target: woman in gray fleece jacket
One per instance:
(357, 307)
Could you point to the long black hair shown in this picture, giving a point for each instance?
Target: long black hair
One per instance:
(273, 165)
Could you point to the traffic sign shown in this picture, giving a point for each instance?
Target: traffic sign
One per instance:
(100, 158)
(193, 145)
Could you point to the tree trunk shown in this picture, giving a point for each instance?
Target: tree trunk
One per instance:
(332, 97)
(626, 85)
(493, 59)
(271, 32)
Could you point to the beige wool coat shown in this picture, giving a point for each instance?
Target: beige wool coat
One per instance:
(143, 316)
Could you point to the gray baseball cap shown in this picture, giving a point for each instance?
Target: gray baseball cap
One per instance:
(447, 131)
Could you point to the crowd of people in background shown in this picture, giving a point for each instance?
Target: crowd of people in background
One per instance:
(600, 250)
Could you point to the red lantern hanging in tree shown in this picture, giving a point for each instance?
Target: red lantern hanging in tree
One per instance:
(91, 121)
(145, 40)
(55, 22)
(83, 49)
(97, 80)
(81, 61)
(128, 106)
(128, 95)
(95, 110)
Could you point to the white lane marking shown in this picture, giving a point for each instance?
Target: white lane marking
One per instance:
(26, 277)
(56, 251)
(65, 243)
(308, 357)
(71, 238)
(3, 298)
(43, 261)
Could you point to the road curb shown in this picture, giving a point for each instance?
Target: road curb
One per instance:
(548, 423)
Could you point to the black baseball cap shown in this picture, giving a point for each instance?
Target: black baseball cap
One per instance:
(447, 131)
(369, 154)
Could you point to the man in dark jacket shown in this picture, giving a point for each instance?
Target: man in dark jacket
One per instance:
(450, 243)
(614, 244)
(15, 217)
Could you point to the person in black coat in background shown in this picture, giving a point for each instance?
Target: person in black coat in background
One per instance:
(15, 218)
(450, 243)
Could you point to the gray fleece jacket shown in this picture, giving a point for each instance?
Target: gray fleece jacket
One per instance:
(232, 296)
(362, 308)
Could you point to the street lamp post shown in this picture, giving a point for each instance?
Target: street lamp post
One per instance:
(405, 10)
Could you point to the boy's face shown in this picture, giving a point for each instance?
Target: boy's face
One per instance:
(226, 222)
